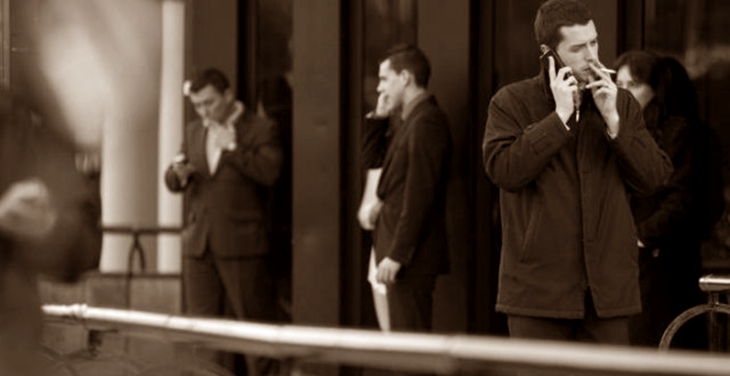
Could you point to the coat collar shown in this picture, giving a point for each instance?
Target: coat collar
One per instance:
(408, 108)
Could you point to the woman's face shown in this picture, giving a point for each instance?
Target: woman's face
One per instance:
(641, 90)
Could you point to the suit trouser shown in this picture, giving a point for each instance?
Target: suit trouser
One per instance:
(236, 287)
(410, 303)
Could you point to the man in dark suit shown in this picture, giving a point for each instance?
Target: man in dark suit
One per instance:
(227, 157)
(409, 218)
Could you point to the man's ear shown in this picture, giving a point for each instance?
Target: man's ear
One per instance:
(544, 48)
(405, 76)
(228, 95)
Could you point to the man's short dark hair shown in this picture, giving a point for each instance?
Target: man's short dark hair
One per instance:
(554, 14)
(412, 59)
(210, 76)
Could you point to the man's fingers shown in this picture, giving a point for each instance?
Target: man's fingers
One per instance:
(598, 70)
(385, 275)
(601, 84)
(563, 74)
(383, 106)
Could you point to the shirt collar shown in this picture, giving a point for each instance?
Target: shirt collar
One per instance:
(236, 113)
(408, 108)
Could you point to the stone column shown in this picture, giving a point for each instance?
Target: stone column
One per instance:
(127, 35)
(171, 130)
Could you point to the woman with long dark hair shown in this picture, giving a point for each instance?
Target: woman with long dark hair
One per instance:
(672, 222)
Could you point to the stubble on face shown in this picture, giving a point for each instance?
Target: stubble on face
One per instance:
(579, 49)
(389, 86)
(210, 104)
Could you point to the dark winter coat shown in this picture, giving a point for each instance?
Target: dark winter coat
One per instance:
(566, 221)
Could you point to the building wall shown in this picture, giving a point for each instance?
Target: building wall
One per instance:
(449, 54)
(213, 33)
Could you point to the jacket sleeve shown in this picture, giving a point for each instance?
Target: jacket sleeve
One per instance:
(259, 157)
(514, 154)
(643, 165)
(428, 154)
(374, 142)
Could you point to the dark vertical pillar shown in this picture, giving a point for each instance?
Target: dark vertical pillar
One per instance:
(248, 40)
(444, 35)
(486, 254)
(357, 298)
(317, 225)
(630, 26)
(215, 36)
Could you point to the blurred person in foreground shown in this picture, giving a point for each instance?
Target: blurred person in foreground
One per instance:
(408, 213)
(672, 222)
(50, 212)
(227, 156)
(567, 148)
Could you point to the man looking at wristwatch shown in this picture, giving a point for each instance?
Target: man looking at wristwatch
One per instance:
(227, 155)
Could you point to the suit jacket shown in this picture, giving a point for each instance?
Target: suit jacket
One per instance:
(225, 210)
(411, 227)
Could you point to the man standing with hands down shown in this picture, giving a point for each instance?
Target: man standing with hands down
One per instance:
(566, 149)
(409, 214)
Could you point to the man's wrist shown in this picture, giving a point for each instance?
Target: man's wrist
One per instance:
(564, 118)
(612, 125)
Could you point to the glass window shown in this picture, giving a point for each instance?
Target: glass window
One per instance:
(695, 32)
(387, 23)
(274, 100)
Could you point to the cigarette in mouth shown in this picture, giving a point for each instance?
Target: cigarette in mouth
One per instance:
(603, 68)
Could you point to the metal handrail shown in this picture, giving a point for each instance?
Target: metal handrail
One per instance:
(433, 353)
(136, 249)
(713, 285)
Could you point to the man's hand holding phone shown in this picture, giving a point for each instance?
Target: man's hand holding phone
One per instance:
(383, 109)
(182, 168)
(564, 87)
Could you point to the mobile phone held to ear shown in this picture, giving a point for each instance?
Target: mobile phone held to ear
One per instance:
(546, 62)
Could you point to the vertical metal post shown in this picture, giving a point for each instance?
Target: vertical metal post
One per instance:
(6, 47)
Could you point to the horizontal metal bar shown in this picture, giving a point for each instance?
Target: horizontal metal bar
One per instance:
(134, 230)
(715, 283)
(434, 353)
